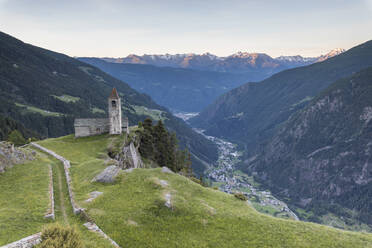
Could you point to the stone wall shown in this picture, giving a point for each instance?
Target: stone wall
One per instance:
(89, 127)
(27, 242)
(126, 125)
(35, 239)
(66, 164)
(50, 214)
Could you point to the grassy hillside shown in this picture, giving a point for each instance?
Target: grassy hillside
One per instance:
(46, 91)
(24, 199)
(132, 211)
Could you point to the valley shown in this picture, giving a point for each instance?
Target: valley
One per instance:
(228, 178)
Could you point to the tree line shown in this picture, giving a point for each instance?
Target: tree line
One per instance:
(161, 146)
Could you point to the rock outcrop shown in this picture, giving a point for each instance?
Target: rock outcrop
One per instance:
(10, 155)
(129, 157)
(108, 175)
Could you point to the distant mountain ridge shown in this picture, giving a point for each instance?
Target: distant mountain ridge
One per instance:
(190, 82)
(178, 89)
(251, 113)
(240, 62)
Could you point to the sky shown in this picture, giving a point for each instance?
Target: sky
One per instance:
(113, 28)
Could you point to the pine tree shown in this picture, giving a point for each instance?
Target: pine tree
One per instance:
(147, 124)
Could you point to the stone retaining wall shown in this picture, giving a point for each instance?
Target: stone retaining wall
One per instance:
(94, 228)
(50, 213)
(66, 164)
(27, 242)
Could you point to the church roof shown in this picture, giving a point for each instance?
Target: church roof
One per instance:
(114, 94)
(91, 122)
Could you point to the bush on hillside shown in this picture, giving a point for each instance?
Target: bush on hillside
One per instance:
(16, 138)
(240, 196)
(58, 236)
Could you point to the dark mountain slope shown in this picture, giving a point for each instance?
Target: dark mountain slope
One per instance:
(7, 125)
(249, 114)
(323, 154)
(45, 91)
(176, 88)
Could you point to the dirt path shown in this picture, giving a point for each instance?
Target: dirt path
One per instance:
(61, 202)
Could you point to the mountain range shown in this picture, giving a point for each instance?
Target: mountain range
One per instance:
(177, 89)
(240, 62)
(251, 113)
(45, 91)
(190, 82)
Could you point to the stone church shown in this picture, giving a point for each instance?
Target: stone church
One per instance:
(112, 125)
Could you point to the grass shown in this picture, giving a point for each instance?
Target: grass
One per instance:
(24, 199)
(265, 209)
(90, 240)
(132, 211)
(67, 98)
(32, 109)
(98, 110)
(155, 114)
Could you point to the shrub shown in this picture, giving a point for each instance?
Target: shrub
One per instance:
(58, 236)
(16, 138)
(195, 180)
(240, 196)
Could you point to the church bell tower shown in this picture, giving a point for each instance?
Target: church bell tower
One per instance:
(114, 112)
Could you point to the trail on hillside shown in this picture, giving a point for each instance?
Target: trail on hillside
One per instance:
(61, 203)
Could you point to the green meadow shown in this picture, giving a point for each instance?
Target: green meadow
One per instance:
(132, 210)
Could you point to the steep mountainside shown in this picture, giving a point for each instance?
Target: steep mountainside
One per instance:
(175, 88)
(240, 62)
(322, 154)
(45, 91)
(250, 113)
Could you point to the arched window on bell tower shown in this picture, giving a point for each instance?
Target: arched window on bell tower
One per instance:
(113, 104)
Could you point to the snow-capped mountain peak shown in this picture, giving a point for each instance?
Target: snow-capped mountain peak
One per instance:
(237, 62)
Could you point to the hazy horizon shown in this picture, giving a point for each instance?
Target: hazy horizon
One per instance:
(118, 28)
